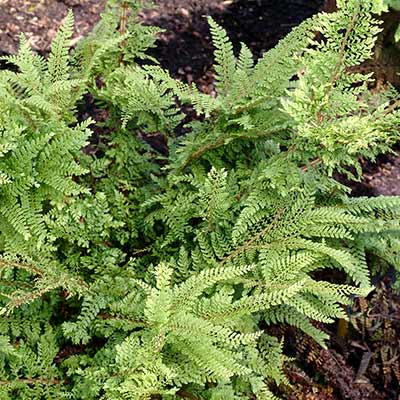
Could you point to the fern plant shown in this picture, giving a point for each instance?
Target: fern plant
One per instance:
(126, 273)
(40, 141)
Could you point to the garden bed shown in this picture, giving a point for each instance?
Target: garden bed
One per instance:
(362, 361)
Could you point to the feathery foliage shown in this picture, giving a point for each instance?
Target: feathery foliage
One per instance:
(129, 273)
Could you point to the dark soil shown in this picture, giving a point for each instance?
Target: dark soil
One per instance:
(39, 20)
(381, 177)
(362, 361)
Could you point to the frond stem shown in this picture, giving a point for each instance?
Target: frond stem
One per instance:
(254, 239)
(219, 143)
(33, 381)
(27, 267)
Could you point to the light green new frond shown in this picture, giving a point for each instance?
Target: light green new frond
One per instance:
(332, 215)
(338, 232)
(337, 292)
(225, 61)
(202, 103)
(274, 70)
(163, 275)
(31, 67)
(317, 310)
(242, 83)
(143, 99)
(272, 359)
(186, 324)
(196, 284)
(217, 363)
(141, 371)
(58, 62)
(380, 205)
(245, 61)
(343, 258)
(272, 296)
(278, 267)
(289, 315)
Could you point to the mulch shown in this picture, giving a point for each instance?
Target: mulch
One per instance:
(40, 19)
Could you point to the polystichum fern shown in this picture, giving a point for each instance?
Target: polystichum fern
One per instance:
(126, 274)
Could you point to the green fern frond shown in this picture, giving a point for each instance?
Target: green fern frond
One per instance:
(58, 62)
(225, 61)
